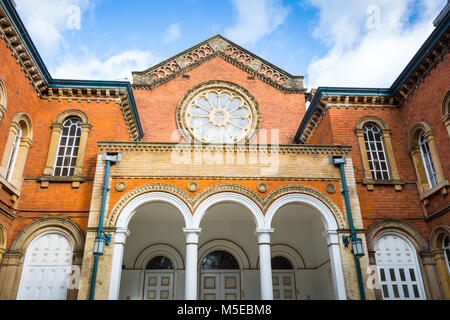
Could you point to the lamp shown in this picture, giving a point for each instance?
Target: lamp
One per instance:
(100, 242)
(357, 245)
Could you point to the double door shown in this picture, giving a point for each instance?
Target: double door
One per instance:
(158, 286)
(224, 285)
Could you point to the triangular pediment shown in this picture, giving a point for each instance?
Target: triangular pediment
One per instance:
(217, 46)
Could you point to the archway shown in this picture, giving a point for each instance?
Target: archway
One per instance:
(307, 226)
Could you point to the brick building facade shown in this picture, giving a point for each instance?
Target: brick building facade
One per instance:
(219, 183)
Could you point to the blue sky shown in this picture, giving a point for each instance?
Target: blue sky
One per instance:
(331, 42)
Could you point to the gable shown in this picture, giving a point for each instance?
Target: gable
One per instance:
(228, 51)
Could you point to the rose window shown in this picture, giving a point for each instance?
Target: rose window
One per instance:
(220, 115)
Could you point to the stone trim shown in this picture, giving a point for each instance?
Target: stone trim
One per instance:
(223, 245)
(105, 146)
(346, 102)
(3, 100)
(209, 49)
(446, 111)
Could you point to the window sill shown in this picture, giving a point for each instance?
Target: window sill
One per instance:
(10, 188)
(75, 180)
(442, 187)
(371, 182)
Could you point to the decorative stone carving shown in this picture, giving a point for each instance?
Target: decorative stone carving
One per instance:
(121, 186)
(330, 188)
(218, 112)
(192, 186)
(263, 187)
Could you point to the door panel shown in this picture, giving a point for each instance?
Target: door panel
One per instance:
(283, 286)
(220, 286)
(158, 286)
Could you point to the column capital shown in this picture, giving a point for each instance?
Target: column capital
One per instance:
(192, 235)
(332, 236)
(121, 235)
(264, 235)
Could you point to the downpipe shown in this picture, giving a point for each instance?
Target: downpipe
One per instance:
(340, 161)
(102, 239)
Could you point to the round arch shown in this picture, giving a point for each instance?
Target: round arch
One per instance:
(3, 238)
(130, 208)
(361, 122)
(72, 113)
(326, 215)
(159, 250)
(437, 236)
(255, 211)
(224, 245)
(285, 251)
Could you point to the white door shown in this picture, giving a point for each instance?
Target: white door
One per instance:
(224, 285)
(158, 286)
(46, 268)
(283, 285)
(398, 269)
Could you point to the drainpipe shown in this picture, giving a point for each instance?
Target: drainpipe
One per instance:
(356, 242)
(102, 239)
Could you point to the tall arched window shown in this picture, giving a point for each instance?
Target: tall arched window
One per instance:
(68, 147)
(446, 247)
(2, 100)
(375, 152)
(399, 271)
(67, 150)
(13, 156)
(427, 161)
(430, 176)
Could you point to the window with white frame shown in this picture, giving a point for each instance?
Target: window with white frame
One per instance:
(427, 161)
(446, 247)
(68, 147)
(14, 152)
(375, 152)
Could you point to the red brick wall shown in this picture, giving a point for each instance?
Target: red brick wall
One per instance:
(425, 105)
(157, 107)
(323, 133)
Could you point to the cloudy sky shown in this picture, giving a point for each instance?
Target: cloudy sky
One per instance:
(363, 43)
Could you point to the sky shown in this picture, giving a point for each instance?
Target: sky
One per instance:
(356, 43)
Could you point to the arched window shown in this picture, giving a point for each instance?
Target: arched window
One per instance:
(67, 150)
(427, 161)
(220, 260)
(2, 100)
(446, 247)
(68, 147)
(399, 271)
(15, 154)
(375, 152)
(281, 263)
(424, 154)
(160, 263)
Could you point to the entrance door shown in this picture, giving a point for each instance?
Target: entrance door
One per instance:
(220, 277)
(399, 271)
(283, 285)
(159, 278)
(283, 279)
(158, 286)
(46, 269)
(220, 286)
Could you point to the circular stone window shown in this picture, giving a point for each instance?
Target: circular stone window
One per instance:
(218, 112)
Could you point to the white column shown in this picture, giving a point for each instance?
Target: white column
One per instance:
(191, 263)
(336, 264)
(116, 268)
(265, 263)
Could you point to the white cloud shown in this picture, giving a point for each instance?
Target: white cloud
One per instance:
(172, 33)
(116, 67)
(367, 49)
(47, 20)
(256, 19)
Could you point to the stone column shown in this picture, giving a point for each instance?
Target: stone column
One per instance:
(85, 128)
(265, 263)
(116, 270)
(192, 235)
(336, 265)
(442, 269)
(53, 149)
